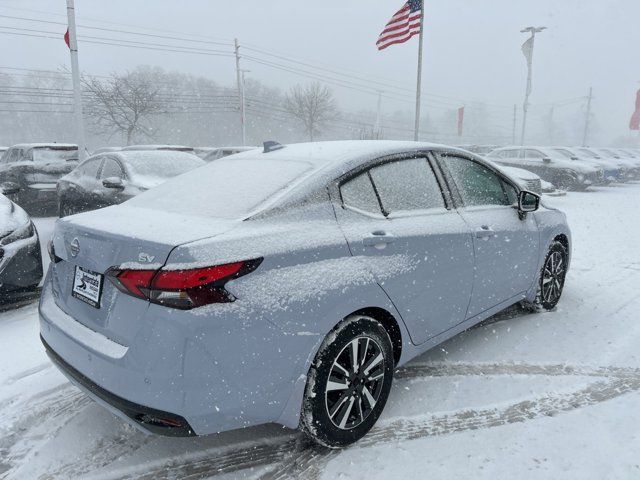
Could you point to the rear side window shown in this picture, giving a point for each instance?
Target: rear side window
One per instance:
(477, 184)
(407, 185)
(359, 193)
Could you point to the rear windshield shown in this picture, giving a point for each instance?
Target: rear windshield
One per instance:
(54, 154)
(227, 188)
(165, 165)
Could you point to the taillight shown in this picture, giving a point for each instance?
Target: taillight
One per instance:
(183, 289)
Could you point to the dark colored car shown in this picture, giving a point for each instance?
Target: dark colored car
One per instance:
(34, 169)
(218, 153)
(551, 166)
(111, 178)
(20, 257)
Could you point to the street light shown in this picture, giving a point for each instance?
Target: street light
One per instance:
(527, 50)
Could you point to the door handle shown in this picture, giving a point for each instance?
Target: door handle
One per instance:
(378, 238)
(485, 231)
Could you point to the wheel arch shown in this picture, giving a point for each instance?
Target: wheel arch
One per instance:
(390, 324)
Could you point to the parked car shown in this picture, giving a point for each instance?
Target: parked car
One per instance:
(628, 167)
(553, 167)
(479, 149)
(112, 178)
(170, 148)
(612, 172)
(203, 151)
(20, 257)
(286, 285)
(219, 153)
(33, 170)
(3, 149)
(106, 150)
(526, 179)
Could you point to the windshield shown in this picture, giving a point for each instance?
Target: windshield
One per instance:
(223, 189)
(589, 153)
(165, 165)
(566, 153)
(54, 154)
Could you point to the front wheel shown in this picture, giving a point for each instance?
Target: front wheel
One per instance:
(348, 383)
(552, 277)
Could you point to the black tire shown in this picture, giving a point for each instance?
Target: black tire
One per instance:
(548, 299)
(355, 400)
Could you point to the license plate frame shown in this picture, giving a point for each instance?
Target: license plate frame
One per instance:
(87, 286)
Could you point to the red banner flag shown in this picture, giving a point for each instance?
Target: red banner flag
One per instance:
(635, 119)
(66, 38)
(460, 120)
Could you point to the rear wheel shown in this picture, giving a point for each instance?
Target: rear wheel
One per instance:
(348, 383)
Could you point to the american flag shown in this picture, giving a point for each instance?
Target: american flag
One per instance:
(402, 26)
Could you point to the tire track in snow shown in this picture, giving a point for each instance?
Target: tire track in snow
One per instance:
(297, 458)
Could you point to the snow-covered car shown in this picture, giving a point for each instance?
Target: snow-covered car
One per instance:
(553, 167)
(34, 169)
(222, 152)
(3, 149)
(112, 178)
(203, 151)
(286, 284)
(170, 148)
(526, 179)
(629, 169)
(106, 150)
(20, 257)
(612, 172)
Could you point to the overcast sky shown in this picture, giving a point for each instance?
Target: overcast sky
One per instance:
(472, 47)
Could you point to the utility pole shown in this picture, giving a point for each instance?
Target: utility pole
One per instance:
(240, 90)
(75, 76)
(527, 50)
(551, 115)
(587, 120)
(243, 107)
(378, 116)
(515, 120)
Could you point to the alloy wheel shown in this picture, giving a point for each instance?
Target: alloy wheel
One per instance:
(355, 383)
(553, 277)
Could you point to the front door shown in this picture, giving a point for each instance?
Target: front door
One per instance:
(506, 246)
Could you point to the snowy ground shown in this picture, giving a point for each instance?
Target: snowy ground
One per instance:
(551, 395)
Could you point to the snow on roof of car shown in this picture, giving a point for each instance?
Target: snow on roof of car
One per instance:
(45, 145)
(157, 147)
(323, 153)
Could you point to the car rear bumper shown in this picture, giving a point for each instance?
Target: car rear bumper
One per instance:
(205, 372)
(155, 421)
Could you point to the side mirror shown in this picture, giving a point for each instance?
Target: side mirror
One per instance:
(9, 188)
(546, 160)
(113, 182)
(528, 202)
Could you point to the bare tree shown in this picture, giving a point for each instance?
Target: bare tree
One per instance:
(313, 105)
(123, 103)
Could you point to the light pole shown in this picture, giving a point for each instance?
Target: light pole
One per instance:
(243, 106)
(75, 76)
(527, 50)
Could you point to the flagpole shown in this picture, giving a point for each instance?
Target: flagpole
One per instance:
(75, 76)
(416, 133)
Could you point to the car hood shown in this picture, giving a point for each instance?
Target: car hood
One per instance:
(11, 216)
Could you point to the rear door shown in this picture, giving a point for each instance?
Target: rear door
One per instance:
(395, 218)
(506, 246)
(80, 189)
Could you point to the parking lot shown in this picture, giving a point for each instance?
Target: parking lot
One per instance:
(551, 393)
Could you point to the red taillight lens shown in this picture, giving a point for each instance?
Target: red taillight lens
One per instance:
(133, 282)
(183, 289)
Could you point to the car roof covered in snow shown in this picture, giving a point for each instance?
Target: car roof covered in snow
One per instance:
(158, 147)
(46, 145)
